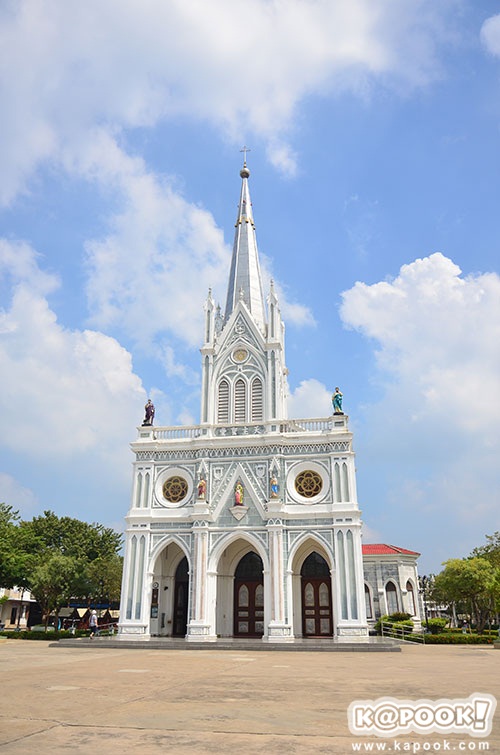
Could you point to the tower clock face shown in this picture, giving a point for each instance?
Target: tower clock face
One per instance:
(239, 355)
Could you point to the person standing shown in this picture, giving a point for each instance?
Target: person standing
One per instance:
(93, 624)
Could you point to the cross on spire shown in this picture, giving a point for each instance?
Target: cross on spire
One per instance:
(245, 150)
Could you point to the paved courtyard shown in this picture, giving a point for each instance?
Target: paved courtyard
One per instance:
(95, 700)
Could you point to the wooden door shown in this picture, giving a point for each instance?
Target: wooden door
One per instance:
(248, 608)
(317, 616)
(316, 607)
(249, 597)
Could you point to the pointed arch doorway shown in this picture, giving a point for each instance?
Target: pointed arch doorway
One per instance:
(181, 596)
(249, 597)
(316, 586)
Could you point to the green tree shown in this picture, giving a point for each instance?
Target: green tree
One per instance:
(72, 537)
(17, 549)
(92, 546)
(53, 582)
(490, 551)
(470, 584)
(105, 578)
(90, 569)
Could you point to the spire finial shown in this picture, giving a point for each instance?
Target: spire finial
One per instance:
(245, 150)
(244, 172)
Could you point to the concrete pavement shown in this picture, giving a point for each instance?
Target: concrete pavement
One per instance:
(107, 700)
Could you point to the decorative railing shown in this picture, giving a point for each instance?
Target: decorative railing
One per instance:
(316, 425)
(401, 632)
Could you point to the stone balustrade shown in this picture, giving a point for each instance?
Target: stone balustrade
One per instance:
(335, 423)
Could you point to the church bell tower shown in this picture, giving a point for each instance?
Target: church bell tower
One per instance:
(243, 369)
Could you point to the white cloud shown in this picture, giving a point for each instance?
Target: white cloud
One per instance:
(283, 158)
(310, 399)
(156, 241)
(490, 35)
(243, 66)
(19, 263)
(16, 495)
(75, 77)
(62, 392)
(160, 248)
(436, 330)
(433, 438)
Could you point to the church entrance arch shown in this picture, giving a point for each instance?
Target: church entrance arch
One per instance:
(316, 588)
(170, 592)
(249, 597)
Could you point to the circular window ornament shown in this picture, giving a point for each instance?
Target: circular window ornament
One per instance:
(175, 489)
(240, 355)
(308, 484)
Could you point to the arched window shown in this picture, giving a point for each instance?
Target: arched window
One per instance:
(240, 395)
(338, 492)
(223, 402)
(243, 597)
(146, 490)
(391, 595)
(345, 482)
(138, 499)
(259, 596)
(368, 603)
(257, 403)
(411, 598)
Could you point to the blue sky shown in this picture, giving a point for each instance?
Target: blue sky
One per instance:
(374, 131)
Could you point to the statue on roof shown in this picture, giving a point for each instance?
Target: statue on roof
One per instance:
(337, 401)
(150, 413)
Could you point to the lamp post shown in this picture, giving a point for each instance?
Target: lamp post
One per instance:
(424, 584)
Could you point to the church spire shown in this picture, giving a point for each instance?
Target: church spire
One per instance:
(244, 279)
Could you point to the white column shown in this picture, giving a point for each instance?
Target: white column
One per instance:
(136, 587)
(278, 629)
(198, 628)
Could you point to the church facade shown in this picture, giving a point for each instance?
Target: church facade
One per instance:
(248, 524)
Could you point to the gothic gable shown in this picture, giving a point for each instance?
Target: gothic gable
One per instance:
(253, 492)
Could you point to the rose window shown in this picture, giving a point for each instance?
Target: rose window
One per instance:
(175, 489)
(308, 484)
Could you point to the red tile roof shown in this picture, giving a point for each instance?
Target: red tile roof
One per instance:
(381, 549)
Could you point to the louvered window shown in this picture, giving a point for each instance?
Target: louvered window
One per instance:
(223, 402)
(239, 401)
(257, 408)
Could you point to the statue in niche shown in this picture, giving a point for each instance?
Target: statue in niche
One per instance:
(337, 401)
(202, 488)
(238, 494)
(274, 487)
(150, 413)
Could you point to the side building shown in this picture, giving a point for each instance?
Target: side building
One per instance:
(248, 524)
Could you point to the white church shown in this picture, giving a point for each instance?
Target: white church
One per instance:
(247, 525)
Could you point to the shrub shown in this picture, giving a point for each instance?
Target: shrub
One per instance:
(42, 635)
(399, 616)
(436, 626)
(451, 638)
